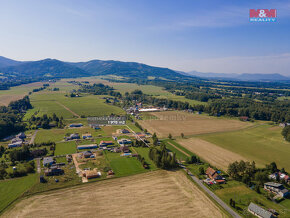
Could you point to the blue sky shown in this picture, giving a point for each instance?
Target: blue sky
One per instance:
(207, 36)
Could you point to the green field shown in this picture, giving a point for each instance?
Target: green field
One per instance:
(11, 189)
(263, 144)
(46, 102)
(124, 166)
(65, 148)
(144, 153)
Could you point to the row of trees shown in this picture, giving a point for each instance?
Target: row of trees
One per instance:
(162, 158)
(46, 122)
(99, 89)
(286, 133)
(11, 116)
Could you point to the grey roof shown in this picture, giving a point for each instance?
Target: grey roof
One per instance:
(260, 211)
(274, 184)
(47, 160)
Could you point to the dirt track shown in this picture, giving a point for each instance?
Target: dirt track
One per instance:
(155, 194)
(212, 153)
(189, 124)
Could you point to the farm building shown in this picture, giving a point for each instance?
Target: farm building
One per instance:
(276, 188)
(87, 136)
(259, 211)
(92, 146)
(105, 143)
(213, 174)
(149, 109)
(47, 161)
(117, 149)
(75, 125)
(16, 140)
(15, 145)
(123, 142)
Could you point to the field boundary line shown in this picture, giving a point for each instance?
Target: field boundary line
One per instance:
(178, 149)
(68, 109)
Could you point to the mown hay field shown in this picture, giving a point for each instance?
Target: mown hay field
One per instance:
(213, 154)
(176, 122)
(154, 194)
(263, 144)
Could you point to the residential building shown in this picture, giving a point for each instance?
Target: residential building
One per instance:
(87, 136)
(105, 143)
(276, 188)
(214, 175)
(259, 211)
(47, 161)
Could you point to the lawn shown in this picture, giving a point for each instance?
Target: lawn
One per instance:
(124, 166)
(144, 151)
(263, 144)
(65, 148)
(12, 189)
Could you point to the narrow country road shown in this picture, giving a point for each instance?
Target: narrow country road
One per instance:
(215, 197)
(33, 137)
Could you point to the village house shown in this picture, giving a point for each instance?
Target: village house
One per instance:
(75, 125)
(53, 171)
(276, 188)
(123, 131)
(47, 161)
(15, 144)
(123, 142)
(95, 126)
(213, 174)
(72, 136)
(88, 154)
(117, 149)
(87, 136)
(282, 176)
(259, 211)
(105, 143)
(21, 135)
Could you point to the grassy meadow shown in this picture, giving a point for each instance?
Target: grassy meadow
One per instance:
(12, 189)
(263, 144)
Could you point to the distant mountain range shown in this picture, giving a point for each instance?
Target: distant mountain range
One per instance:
(52, 68)
(241, 77)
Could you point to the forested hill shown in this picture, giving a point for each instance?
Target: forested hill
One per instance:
(128, 69)
(51, 68)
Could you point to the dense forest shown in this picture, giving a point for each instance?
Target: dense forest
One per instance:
(11, 116)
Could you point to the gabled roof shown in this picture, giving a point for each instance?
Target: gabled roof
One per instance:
(259, 211)
(273, 184)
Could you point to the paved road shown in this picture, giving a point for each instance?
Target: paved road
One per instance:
(216, 198)
(33, 137)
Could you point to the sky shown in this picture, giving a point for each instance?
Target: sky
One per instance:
(186, 35)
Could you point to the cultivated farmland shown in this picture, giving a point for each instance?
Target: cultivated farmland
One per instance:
(263, 144)
(189, 124)
(155, 194)
(213, 154)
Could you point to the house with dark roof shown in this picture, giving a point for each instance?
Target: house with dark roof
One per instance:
(276, 188)
(259, 211)
(73, 136)
(47, 161)
(105, 143)
(123, 142)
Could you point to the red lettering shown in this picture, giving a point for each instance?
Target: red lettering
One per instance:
(271, 13)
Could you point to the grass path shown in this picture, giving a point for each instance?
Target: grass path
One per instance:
(65, 107)
(179, 149)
